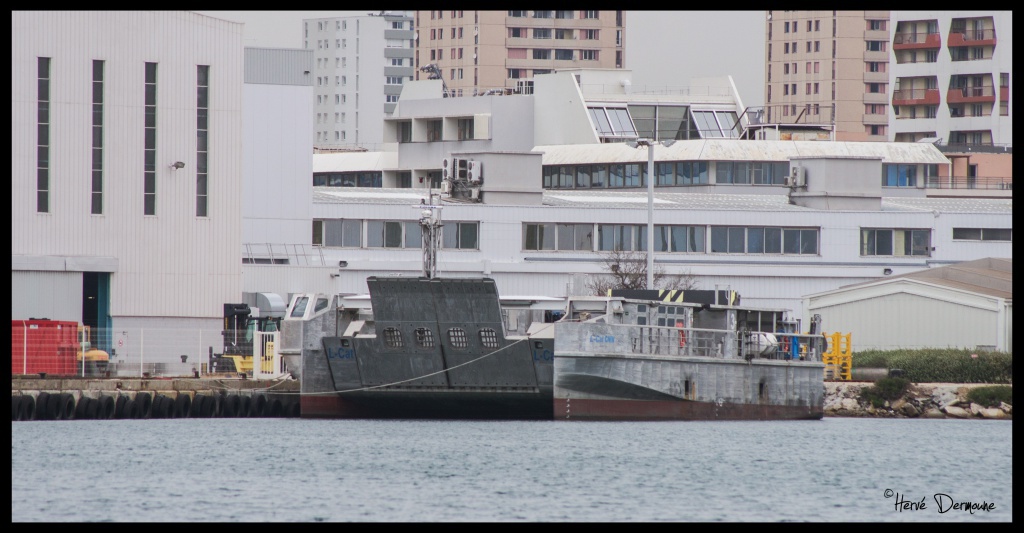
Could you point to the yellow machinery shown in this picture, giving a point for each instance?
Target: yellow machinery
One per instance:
(96, 360)
(838, 358)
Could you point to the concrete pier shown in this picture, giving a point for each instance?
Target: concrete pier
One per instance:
(203, 397)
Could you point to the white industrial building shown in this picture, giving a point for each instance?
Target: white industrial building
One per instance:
(965, 305)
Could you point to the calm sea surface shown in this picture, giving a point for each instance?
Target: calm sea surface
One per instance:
(295, 470)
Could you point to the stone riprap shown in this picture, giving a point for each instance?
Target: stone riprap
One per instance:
(922, 400)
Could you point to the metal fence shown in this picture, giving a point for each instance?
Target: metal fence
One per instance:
(154, 352)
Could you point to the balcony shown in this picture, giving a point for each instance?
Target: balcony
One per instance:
(1004, 94)
(875, 118)
(870, 55)
(915, 97)
(876, 77)
(971, 95)
(876, 98)
(916, 41)
(971, 38)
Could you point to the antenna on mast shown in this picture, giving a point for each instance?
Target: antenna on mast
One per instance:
(430, 228)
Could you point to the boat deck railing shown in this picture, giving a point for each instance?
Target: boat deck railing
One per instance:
(590, 337)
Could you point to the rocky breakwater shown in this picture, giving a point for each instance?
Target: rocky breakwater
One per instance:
(922, 400)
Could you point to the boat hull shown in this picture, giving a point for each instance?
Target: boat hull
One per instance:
(442, 404)
(632, 387)
(620, 409)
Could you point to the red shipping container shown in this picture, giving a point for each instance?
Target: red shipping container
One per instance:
(44, 346)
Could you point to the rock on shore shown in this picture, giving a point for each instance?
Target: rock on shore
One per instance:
(922, 400)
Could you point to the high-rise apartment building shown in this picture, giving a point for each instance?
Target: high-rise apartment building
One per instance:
(951, 76)
(829, 67)
(360, 64)
(474, 52)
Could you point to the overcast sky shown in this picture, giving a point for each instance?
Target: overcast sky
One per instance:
(663, 48)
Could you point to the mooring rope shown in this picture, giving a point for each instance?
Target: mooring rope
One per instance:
(424, 376)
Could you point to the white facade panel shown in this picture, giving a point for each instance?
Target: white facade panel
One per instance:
(278, 168)
(53, 295)
(173, 263)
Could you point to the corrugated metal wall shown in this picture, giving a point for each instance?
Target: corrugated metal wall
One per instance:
(53, 295)
(907, 320)
(279, 66)
(171, 264)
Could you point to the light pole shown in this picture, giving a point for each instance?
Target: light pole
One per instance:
(650, 202)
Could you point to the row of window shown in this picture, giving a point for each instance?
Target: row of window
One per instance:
(672, 173)
(353, 233)
(97, 142)
(553, 14)
(547, 33)
(347, 179)
(816, 47)
(424, 338)
(817, 26)
(588, 237)
(549, 53)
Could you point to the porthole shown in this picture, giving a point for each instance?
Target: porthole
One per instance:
(393, 338)
(489, 338)
(424, 338)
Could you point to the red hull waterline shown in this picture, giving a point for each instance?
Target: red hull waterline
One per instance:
(442, 406)
(678, 410)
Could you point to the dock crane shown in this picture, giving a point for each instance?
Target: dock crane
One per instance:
(435, 74)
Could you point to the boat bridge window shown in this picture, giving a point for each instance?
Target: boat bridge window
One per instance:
(424, 338)
(489, 338)
(300, 307)
(457, 338)
(393, 338)
(321, 304)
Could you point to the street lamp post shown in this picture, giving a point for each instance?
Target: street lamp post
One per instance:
(650, 202)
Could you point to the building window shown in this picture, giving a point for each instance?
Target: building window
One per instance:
(97, 138)
(542, 33)
(460, 236)
(465, 129)
(517, 14)
(764, 240)
(590, 35)
(679, 238)
(564, 55)
(337, 233)
(588, 14)
(539, 236)
(983, 234)
(895, 242)
(43, 136)
(433, 130)
(541, 53)
(149, 168)
(895, 175)
(202, 141)
(876, 46)
(621, 237)
(386, 233)
(578, 237)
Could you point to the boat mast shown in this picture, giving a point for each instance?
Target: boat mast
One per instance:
(430, 228)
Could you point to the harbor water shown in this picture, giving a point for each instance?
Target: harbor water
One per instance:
(299, 470)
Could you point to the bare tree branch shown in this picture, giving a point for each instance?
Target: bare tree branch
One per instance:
(628, 270)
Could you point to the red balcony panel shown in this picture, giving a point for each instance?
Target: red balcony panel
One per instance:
(1004, 94)
(915, 97)
(970, 95)
(916, 41)
(972, 38)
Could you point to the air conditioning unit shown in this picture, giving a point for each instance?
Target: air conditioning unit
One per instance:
(474, 172)
(448, 168)
(796, 177)
(446, 187)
